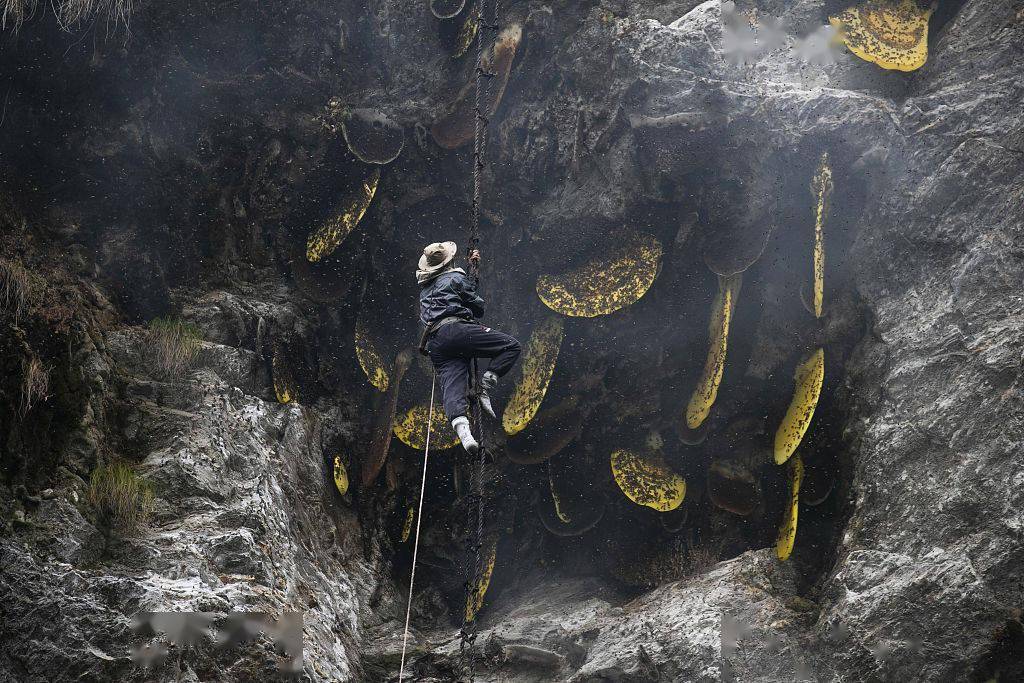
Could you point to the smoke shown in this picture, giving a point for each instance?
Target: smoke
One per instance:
(198, 152)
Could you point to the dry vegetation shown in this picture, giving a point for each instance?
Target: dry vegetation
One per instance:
(16, 285)
(121, 499)
(19, 293)
(36, 385)
(70, 13)
(15, 12)
(174, 345)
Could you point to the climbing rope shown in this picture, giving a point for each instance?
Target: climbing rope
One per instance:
(419, 518)
(481, 119)
(467, 634)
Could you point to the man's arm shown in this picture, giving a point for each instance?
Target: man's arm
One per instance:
(472, 300)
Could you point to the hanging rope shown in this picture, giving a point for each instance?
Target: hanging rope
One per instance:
(488, 23)
(467, 633)
(419, 518)
(481, 119)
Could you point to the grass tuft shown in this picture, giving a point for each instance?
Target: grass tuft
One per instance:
(36, 385)
(15, 12)
(70, 13)
(73, 12)
(175, 345)
(16, 286)
(121, 499)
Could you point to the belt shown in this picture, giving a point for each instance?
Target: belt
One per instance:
(433, 327)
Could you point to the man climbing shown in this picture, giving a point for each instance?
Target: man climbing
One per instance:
(449, 307)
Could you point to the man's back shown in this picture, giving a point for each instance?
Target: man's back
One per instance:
(450, 294)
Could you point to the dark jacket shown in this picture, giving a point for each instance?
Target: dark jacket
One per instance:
(452, 293)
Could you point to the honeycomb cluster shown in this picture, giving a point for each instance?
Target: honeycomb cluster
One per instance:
(893, 35)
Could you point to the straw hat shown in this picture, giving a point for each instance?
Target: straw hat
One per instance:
(435, 260)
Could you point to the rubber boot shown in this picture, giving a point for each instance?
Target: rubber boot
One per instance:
(461, 426)
(487, 382)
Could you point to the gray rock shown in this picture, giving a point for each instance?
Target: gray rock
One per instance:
(619, 116)
(732, 621)
(243, 521)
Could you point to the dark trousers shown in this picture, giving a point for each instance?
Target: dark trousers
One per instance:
(452, 348)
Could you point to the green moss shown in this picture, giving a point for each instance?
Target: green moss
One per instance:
(799, 604)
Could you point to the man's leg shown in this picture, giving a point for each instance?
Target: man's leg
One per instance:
(503, 351)
(453, 375)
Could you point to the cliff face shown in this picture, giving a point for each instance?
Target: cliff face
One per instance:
(176, 172)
